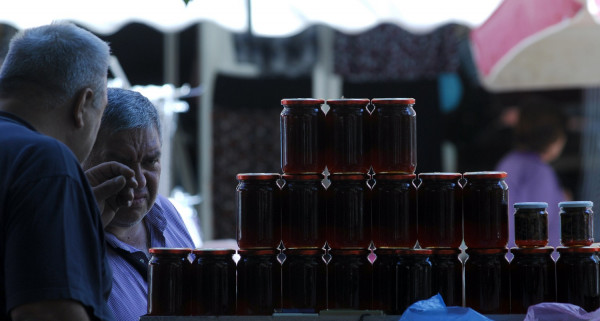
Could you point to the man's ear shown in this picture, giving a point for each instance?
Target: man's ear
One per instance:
(83, 100)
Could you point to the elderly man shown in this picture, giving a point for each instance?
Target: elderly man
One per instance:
(130, 134)
(52, 96)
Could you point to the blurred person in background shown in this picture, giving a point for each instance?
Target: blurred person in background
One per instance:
(540, 138)
(52, 96)
(130, 134)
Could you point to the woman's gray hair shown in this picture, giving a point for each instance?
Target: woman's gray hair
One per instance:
(59, 60)
(127, 109)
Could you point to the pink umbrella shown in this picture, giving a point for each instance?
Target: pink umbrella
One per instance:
(539, 44)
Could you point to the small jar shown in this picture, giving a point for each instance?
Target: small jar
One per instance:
(303, 217)
(577, 277)
(302, 130)
(258, 282)
(447, 275)
(304, 282)
(258, 210)
(414, 277)
(576, 223)
(440, 210)
(532, 277)
(531, 224)
(348, 212)
(487, 284)
(213, 282)
(347, 126)
(350, 280)
(169, 279)
(485, 208)
(394, 210)
(393, 131)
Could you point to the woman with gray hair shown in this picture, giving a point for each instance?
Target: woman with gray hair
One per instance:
(130, 135)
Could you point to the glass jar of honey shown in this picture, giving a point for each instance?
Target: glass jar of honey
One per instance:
(531, 224)
(447, 275)
(413, 277)
(532, 277)
(576, 223)
(440, 210)
(303, 216)
(169, 279)
(578, 277)
(302, 130)
(394, 211)
(348, 212)
(487, 284)
(485, 209)
(350, 280)
(304, 282)
(347, 144)
(385, 285)
(258, 210)
(258, 282)
(213, 282)
(393, 131)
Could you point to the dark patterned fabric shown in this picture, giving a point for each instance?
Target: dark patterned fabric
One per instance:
(388, 52)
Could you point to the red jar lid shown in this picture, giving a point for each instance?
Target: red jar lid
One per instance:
(532, 250)
(393, 101)
(396, 177)
(302, 177)
(578, 249)
(268, 251)
(301, 101)
(170, 251)
(257, 176)
(350, 252)
(386, 251)
(445, 251)
(414, 251)
(348, 101)
(486, 251)
(485, 175)
(304, 251)
(209, 252)
(348, 177)
(440, 176)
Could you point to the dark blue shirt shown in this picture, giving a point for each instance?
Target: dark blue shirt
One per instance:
(52, 242)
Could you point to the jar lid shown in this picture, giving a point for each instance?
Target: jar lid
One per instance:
(529, 205)
(351, 177)
(302, 177)
(532, 250)
(168, 250)
(572, 204)
(348, 101)
(393, 101)
(209, 252)
(302, 101)
(304, 251)
(257, 176)
(486, 251)
(440, 175)
(414, 251)
(350, 251)
(485, 174)
(394, 177)
(445, 251)
(268, 251)
(578, 249)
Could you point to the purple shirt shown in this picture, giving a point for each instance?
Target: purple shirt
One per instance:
(128, 299)
(531, 180)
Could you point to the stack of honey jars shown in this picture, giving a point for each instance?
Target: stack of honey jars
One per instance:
(532, 269)
(485, 210)
(577, 267)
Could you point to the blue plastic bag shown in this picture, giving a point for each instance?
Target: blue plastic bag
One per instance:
(434, 309)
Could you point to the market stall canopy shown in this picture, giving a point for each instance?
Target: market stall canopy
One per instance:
(539, 44)
(276, 18)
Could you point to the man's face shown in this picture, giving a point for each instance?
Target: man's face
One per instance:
(140, 150)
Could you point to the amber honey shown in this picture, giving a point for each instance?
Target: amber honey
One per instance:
(532, 277)
(576, 223)
(350, 280)
(487, 284)
(213, 283)
(258, 282)
(447, 275)
(169, 279)
(304, 282)
(531, 224)
(577, 277)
